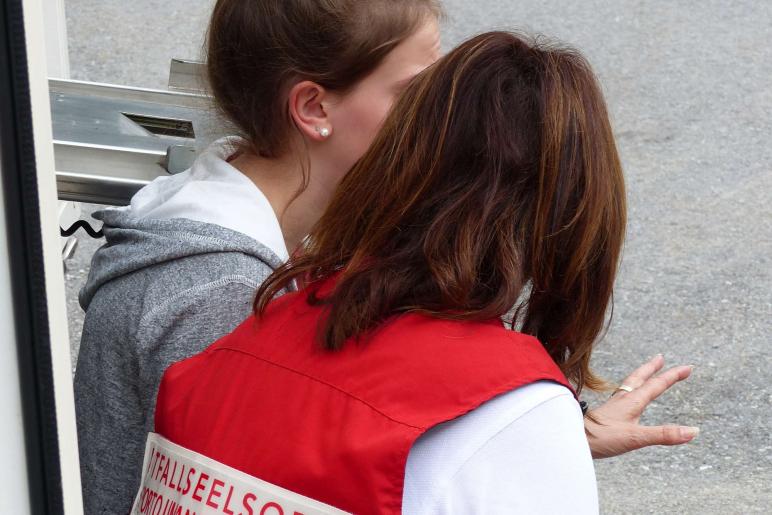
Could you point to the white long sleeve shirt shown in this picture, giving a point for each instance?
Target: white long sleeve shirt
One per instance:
(522, 452)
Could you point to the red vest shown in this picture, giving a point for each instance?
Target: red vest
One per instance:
(338, 427)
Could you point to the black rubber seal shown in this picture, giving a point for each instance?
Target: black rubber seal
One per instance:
(28, 286)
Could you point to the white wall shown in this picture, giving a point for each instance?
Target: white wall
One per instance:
(55, 25)
(14, 496)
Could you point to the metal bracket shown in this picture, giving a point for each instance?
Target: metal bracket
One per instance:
(189, 76)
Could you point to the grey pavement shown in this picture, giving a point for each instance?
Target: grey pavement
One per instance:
(688, 84)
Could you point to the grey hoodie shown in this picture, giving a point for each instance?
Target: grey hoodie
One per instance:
(158, 291)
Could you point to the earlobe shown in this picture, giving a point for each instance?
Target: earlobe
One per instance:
(307, 110)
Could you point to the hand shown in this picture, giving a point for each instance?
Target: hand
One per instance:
(618, 430)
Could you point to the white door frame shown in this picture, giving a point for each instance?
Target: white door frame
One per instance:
(41, 341)
(55, 25)
(35, 30)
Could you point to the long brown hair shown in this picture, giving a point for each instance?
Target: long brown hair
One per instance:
(256, 48)
(495, 182)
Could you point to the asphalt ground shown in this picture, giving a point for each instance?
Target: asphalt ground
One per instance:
(688, 85)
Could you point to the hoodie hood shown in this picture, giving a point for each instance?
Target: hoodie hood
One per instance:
(214, 192)
(134, 244)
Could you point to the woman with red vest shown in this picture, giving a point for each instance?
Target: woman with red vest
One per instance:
(388, 383)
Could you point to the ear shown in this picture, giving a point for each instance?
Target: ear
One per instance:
(306, 105)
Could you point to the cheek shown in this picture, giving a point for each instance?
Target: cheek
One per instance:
(360, 123)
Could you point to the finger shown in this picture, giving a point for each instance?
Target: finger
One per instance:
(656, 386)
(665, 435)
(645, 371)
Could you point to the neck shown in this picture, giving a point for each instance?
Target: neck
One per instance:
(280, 180)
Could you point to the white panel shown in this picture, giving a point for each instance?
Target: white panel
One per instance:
(14, 497)
(58, 59)
(57, 307)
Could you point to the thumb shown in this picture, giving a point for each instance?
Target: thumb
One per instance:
(666, 435)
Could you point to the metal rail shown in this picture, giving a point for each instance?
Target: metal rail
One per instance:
(110, 141)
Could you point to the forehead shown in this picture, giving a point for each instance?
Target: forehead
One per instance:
(413, 55)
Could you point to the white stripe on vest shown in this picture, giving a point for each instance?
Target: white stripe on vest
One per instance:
(177, 481)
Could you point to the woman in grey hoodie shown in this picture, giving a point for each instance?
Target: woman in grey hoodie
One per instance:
(307, 84)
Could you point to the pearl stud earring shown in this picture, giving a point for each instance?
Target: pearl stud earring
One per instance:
(323, 132)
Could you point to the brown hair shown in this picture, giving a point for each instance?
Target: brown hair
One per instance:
(495, 182)
(255, 48)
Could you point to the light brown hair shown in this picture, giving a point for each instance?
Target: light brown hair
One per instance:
(495, 182)
(256, 48)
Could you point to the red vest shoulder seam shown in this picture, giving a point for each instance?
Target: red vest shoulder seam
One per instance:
(317, 380)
